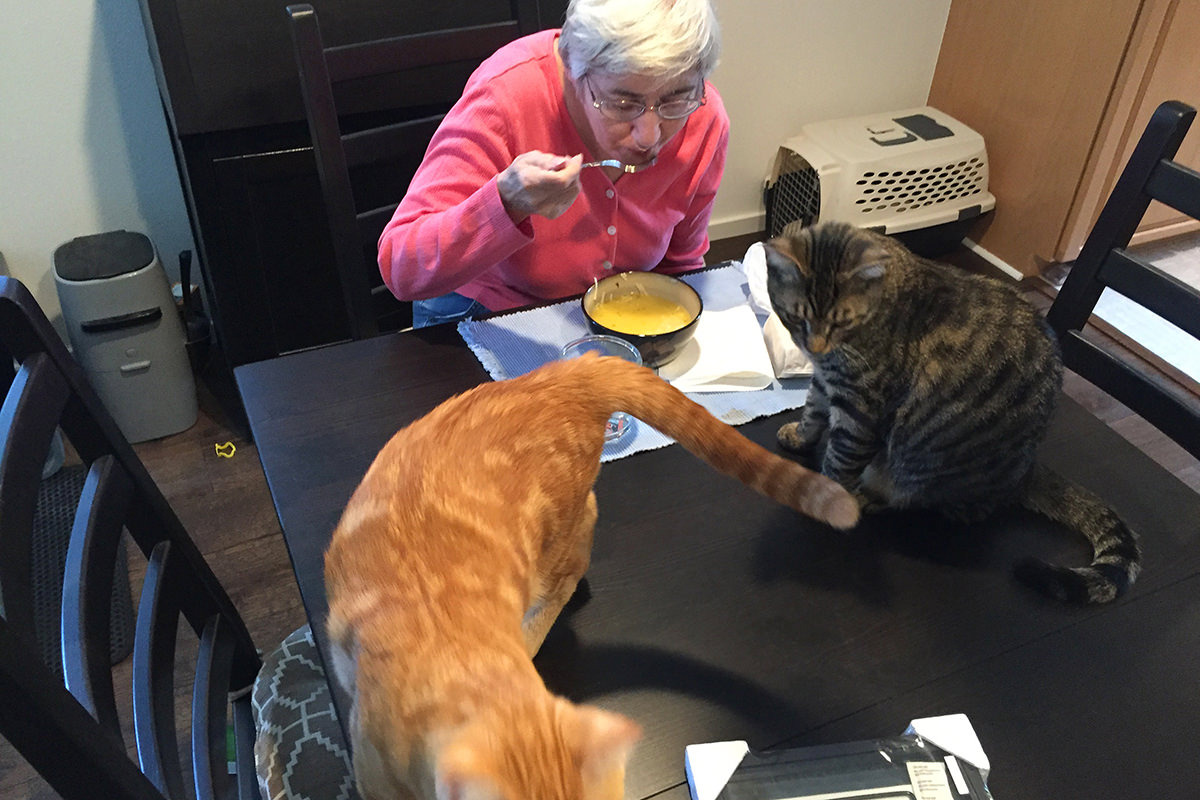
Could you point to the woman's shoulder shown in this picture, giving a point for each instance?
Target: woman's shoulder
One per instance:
(516, 92)
(520, 57)
(522, 72)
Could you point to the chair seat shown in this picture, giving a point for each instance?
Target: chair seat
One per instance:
(300, 751)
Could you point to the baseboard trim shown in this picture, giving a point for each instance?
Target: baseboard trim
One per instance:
(730, 227)
(994, 260)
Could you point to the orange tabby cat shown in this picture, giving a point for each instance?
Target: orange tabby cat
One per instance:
(457, 551)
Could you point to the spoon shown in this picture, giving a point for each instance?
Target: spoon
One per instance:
(612, 162)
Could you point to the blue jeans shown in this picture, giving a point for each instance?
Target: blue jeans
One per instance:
(447, 308)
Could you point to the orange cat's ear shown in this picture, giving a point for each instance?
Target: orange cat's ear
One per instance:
(605, 739)
(452, 785)
(459, 776)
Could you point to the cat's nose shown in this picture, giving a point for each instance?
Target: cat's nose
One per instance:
(818, 344)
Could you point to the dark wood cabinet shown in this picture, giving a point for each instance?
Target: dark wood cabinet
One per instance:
(228, 81)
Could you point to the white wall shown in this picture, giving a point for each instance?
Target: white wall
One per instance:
(786, 63)
(84, 146)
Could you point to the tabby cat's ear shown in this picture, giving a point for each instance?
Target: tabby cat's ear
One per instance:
(871, 271)
(873, 264)
(782, 258)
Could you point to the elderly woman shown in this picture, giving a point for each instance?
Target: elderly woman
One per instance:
(501, 213)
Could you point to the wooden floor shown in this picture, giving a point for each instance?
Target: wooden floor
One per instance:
(225, 504)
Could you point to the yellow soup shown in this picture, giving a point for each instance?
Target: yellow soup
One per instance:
(641, 314)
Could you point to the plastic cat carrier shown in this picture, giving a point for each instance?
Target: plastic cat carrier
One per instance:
(918, 174)
(126, 332)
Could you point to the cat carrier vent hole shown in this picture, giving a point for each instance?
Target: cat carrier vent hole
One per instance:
(916, 188)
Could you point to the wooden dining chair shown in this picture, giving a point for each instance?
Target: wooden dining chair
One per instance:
(1107, 262)
(90, 729)
(366, 160)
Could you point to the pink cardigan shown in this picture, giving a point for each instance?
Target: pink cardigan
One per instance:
(451, 233)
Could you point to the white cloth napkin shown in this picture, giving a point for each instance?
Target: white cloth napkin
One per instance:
(787, 359)
(726, 354)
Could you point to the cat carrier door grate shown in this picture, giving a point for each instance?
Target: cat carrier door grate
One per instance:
(892, 172)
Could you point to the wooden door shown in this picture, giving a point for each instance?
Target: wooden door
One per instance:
(1034, 80)
(1163, 63)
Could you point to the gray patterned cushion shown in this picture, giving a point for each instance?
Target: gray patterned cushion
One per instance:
(300, 752)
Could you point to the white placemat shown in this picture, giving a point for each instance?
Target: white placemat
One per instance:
(513, 344)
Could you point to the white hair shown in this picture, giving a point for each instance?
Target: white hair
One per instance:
(625, 37)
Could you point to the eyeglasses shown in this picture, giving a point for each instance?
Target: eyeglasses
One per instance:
(626, 110)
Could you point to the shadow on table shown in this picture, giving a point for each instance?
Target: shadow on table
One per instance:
(870, 560)
(584, 673)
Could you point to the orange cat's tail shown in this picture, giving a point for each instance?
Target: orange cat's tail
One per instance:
(643, 394)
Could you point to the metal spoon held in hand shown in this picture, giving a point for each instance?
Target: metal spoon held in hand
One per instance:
(612, 162)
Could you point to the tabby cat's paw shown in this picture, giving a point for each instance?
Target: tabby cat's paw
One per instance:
(789, 436)
(791, 439)
(869, 504)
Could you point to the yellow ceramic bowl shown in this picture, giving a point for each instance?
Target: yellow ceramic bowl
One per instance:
(655, 313)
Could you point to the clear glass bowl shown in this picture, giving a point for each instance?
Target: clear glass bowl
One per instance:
(619, 423)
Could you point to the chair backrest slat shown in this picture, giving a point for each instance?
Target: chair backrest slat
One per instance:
(58, 738)
(1147, 285)
(1105, 262)
(244, 738)
(1175, 185)
(371, 223)
(154, 675)
(400, 140)
(401, 53)
(28, 417)
(1170, 410)
(87, 588)
(332, 169)
(210, 694)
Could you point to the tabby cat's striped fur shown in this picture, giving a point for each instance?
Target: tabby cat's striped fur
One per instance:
(932, 388)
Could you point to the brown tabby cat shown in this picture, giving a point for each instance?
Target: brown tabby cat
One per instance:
(457, 551)
(932, 388)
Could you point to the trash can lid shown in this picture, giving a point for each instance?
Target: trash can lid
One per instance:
(103, 255)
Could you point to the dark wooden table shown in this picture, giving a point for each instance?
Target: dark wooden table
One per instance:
(713, 614)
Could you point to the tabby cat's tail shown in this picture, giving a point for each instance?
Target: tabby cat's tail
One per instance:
(1116, 558)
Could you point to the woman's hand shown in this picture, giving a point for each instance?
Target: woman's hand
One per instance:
(539, 183)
